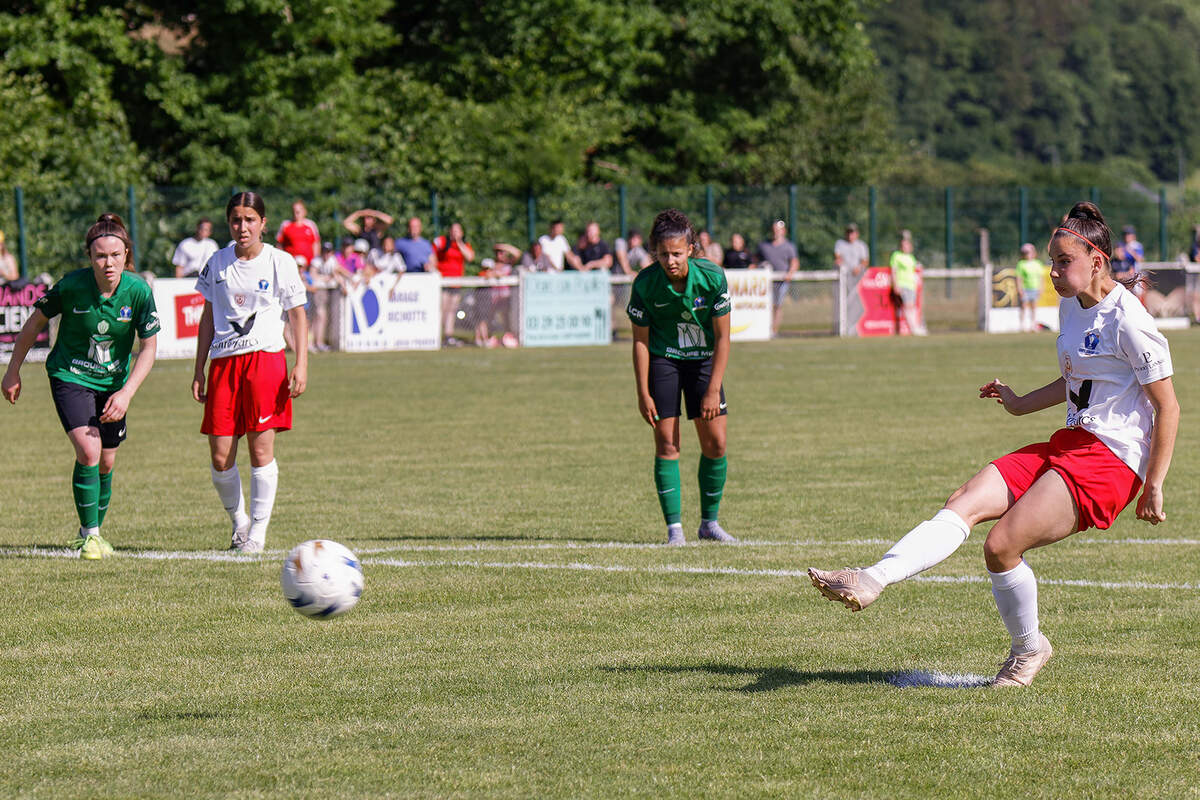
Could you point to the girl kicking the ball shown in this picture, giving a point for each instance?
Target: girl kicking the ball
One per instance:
(247, 287)
(103, 307)
(679, 310)
(1122, 416)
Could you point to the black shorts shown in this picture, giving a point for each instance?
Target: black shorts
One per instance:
(670, 376)
(81, 406)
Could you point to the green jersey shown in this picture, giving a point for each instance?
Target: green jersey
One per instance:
(1030, 272)
(680, 323)
(95, 335)
(904, 270)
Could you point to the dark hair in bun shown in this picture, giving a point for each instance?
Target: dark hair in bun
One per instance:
(1085, 219)
(672, 224)
(109, 224)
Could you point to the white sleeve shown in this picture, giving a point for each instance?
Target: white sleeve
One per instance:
(289, 288)
(1146, 350)
(204, 282)
(179, 259)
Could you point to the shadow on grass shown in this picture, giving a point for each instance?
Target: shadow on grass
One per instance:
(499, 537)
(766, 679)
(164, 715)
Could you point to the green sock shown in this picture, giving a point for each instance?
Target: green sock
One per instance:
(105, 495)
(86, 484)
(712, 486)
(666, 480)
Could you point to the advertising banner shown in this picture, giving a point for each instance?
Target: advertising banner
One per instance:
(391, 314)
(750, 293)
(880, 315)
(179, 309)
(16, 306)
(565, 308)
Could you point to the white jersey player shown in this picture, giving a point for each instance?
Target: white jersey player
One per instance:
(247, 289)
(1122, 416)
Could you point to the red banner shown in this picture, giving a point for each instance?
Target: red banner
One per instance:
(881, 308)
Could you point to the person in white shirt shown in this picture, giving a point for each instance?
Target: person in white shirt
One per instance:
(1121, 421)
(556, 247)
(193, 252)
(248, 287)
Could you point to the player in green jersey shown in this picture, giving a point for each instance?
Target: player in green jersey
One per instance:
(103, 307)
(679, 310)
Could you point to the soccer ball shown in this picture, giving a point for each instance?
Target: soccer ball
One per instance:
(321, 578)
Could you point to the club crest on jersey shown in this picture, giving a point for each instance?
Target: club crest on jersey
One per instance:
(125, 314)
(102, 327)
(1091, 340)
(263, 285)
(240, 299)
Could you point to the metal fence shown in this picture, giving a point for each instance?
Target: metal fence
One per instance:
(45, 229)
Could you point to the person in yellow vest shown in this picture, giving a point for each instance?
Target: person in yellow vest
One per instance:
(1030, 272)
(904, 282)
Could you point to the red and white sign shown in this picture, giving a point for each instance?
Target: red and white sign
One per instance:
(179, 309)
(881, 314)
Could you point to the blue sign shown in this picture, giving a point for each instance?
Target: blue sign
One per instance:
(565, 308)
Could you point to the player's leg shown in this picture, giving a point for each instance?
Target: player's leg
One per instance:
(227, 480)
(85, 490)
(712, 470)
(269, 409)
(985, 496)
(664, 384)
(1045, 514)
(108, 457)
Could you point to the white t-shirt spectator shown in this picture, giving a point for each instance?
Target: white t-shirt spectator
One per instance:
(556, 249)
(855, 255)
(387, 262)
(192, 254)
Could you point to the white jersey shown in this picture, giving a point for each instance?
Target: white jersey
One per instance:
(192, 254)
(248, 299)
(1106, 353)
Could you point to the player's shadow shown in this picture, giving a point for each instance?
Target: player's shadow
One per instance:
(423, 537)
(767, 679)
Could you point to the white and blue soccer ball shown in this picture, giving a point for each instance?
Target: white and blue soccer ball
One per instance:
(321, 578)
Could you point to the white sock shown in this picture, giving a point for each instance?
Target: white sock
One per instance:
(675, 528)
(929, 543)
(229, 489)
(1016, 597)
(264, 481)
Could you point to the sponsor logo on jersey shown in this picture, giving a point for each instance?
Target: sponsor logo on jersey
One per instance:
(263, 285)
(1091, 341)
(125, 314)
(699, 302)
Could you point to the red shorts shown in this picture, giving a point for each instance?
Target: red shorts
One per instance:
(247, 392)
(1100, 483)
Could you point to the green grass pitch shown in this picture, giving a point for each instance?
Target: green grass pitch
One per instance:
(524, 634)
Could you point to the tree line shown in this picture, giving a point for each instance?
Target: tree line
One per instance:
(538, 95)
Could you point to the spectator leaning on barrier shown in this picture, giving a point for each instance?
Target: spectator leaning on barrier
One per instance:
(780, 255)
(556, 247)
(374, 224)
(299, 235)
(594, 253)
(416, 250)
(904, 267)
(737, 256)
(387, 259)
(8, 265)
(850, 254)
(193, 252)
(535, 259)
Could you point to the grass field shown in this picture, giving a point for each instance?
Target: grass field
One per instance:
(523, 633)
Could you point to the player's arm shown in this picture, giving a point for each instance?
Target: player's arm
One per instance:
(298, 381)
(204, 338)
(1047, 396)
(118, 401)
(710, 404)
(1162, 445)
(11, 385)
(641, 373)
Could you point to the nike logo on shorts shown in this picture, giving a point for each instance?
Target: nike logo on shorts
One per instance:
(77, 311)
(261, 420)
(722, 406)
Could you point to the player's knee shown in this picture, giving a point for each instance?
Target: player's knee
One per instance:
(664, 449)
(999, 551)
